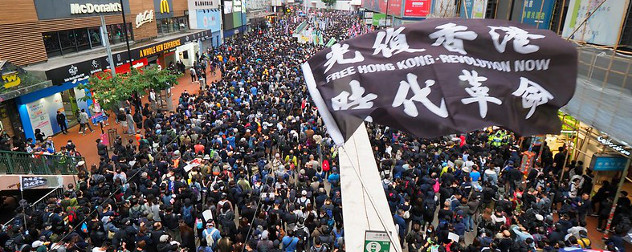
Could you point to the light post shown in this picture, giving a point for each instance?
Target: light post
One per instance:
(129, 53)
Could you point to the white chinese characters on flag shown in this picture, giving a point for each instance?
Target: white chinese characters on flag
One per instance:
(443, 76)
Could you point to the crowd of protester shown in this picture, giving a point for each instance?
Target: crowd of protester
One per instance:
(245, 164)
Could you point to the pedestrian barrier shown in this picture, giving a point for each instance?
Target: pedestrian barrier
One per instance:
(12, 162)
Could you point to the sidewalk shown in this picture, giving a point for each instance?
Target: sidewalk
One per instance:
(86, 144)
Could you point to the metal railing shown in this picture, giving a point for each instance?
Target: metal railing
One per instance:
(12, 162)
(57, 192)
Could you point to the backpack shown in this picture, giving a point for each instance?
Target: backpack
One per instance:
(71, 215)
(436, 186)
(210, 241)
(323, 248)
(186, 214)
(135, 213)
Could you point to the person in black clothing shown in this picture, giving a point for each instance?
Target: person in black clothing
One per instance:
(61, 121)
(39, 135)
(102, 149)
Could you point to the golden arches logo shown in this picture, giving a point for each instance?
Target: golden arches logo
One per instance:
(164, 6)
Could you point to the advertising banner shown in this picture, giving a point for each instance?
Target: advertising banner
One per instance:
(42, 114)
(473, 9)
(417, 8)
(445, 76)
(538, 13)
(603, 26)
(395, 6)
(208, 20)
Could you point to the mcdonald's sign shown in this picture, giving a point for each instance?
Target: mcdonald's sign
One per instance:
(163, 9)
(164, 6)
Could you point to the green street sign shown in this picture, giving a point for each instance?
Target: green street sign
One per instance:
(376, 241)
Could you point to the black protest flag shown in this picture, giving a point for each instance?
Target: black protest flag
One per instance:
(444, 76)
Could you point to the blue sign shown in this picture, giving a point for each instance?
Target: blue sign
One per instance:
(538, 13)
(608, 163)
(209, 20)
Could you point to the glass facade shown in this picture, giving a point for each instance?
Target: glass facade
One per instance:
(170, 25)
(69, 41)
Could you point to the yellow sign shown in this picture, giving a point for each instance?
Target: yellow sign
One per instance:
(164, 6)
(159, 48)
(11, 79)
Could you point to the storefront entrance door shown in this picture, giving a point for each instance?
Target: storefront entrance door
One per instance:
(70, 106)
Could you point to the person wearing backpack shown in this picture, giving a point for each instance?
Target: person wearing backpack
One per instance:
(289, 242)
(319, 247)
(188, 213)
(211, 235)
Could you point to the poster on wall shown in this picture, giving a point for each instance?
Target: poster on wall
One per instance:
(443, 9)
(473, 9)
(603, 26)
(208, 20)
(39, 118)
(537, 13)
(417, 8)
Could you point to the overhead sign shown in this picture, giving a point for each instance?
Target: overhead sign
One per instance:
(144, 17)
(376, 241)
(417, 8)
(32, 182)
(445, 76)
(94, 8)
(59, 9)
(604, 162)
(601, 28)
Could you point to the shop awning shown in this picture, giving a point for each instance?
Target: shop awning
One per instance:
(603, 97)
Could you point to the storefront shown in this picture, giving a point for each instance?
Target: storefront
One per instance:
(603, 155)
(38, 110)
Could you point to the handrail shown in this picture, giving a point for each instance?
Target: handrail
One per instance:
(38, 201)
(12, 162)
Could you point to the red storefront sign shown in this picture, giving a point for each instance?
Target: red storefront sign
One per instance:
(417, 8)
(394, 7)
(125, 67)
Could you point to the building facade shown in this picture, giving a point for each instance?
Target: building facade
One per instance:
(62, 41)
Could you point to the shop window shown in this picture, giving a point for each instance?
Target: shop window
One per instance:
(83, 42)
(51, 42)
(115, 33)
(67, 41)
(95, 36)
(170, 25)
